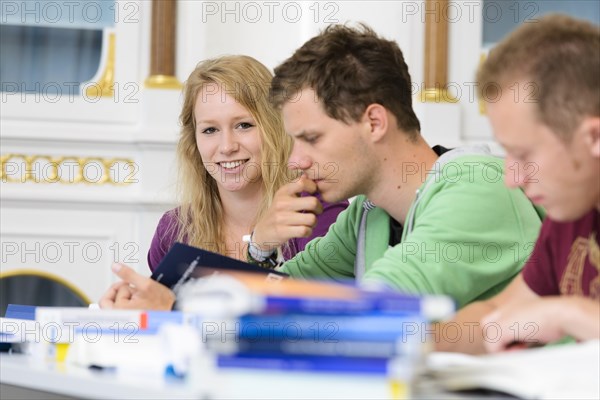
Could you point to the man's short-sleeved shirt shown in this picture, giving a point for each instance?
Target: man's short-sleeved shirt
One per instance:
(566, 258)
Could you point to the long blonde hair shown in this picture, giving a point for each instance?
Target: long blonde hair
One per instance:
(200, 215)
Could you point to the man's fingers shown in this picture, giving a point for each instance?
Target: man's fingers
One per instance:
(497, 340)
(299, 204)
(297, 219)
(303, 184)
(299, 231)
(308, 203)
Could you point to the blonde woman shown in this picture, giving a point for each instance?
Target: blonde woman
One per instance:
(233, 155)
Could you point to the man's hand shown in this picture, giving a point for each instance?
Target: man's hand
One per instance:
(290, 216)
(136, 291)
(543, 320)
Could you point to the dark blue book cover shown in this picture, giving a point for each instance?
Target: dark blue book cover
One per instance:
(392, 303)
(306, 347)
(325, 328)
(350, 365)
(184, 262)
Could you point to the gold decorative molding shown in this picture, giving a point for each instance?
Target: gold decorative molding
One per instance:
(437, 95)
(21, 168)
(105, 86)
(482, 109)
(163, 82)
(163, 43)
(436, 54)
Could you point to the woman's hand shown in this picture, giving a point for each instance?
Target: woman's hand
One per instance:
(136, 291)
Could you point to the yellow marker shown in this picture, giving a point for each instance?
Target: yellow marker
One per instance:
(399, 390)
(61, 351)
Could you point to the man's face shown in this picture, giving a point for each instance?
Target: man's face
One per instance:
(336, 155)
(562, 177)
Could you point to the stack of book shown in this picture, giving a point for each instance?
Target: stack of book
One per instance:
(253, 322)
(256, 318)
(239, 316)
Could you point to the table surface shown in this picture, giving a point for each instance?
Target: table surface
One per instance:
(25, 377)
(18, 370)
(71, 381)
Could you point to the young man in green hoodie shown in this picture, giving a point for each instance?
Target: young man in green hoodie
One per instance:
(426, 220)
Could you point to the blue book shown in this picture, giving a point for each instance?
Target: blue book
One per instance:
(18, 311)
(432, 307)
(324, 328)
(239, 293)
(378, 366)
(146, 323)
(184, 262)
(306, 347)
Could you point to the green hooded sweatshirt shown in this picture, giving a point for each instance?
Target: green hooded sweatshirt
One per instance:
(466, 235)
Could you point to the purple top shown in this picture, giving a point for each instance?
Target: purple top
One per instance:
(166, 232)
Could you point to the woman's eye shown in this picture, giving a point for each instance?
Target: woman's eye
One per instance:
(245, 125)
(208, 131)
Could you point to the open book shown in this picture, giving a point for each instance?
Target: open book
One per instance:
(570, 371)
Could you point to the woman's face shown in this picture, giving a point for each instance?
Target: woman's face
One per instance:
(228, 139)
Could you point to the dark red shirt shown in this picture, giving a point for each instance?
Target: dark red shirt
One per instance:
(566, 258)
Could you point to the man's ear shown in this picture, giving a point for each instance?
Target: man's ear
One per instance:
(590, 128)
(376, 116)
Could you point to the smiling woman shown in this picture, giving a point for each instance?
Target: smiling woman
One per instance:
(233, 154)
(229, 141)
